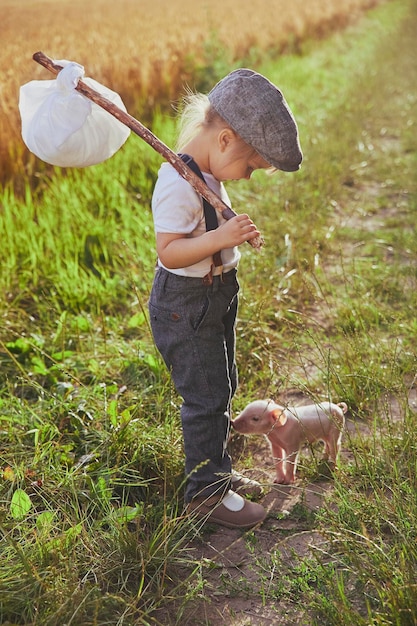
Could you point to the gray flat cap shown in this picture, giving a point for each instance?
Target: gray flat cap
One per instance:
(257, 111)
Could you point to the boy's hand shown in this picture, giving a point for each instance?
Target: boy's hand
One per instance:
(236, 231)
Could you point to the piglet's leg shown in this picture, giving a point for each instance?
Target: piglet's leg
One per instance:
(332, 444)
(278, 454)
(291, 466)
(327, 452)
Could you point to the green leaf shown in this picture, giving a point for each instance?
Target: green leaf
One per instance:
(38, 366)
(112, 410)
(153, 363)
(20, 504)
(82, 323)
(62, 355)
(138, 319)
(128, 513)
(45, 520)
(20, 346)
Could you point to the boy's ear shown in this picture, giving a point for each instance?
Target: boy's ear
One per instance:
(224, 138)
(279, 416)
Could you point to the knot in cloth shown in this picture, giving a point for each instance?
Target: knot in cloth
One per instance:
(68, 77)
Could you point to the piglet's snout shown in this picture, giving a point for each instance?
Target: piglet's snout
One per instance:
(238, 425)
(245, 427)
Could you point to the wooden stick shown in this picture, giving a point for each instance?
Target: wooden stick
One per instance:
(143, 132)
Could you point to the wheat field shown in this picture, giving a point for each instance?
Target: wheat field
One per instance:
(145, 49)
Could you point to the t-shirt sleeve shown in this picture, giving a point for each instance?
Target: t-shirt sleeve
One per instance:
(176, 207)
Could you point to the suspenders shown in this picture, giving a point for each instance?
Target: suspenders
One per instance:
(209, 213)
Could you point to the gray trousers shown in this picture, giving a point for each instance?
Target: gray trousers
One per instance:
(194, 329)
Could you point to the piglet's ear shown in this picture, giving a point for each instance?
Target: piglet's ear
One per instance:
(279, 416)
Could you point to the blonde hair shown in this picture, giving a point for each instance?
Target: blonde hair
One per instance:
(196, 113)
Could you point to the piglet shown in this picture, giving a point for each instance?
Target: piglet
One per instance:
(288, 428)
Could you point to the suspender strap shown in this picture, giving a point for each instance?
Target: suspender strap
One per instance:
(209, 211)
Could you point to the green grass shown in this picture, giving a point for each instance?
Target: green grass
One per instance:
(91, 449)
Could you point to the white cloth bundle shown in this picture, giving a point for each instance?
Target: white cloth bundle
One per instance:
(63, 127)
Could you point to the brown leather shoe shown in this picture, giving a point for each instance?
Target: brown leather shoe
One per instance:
(232, 511)
(246, 486)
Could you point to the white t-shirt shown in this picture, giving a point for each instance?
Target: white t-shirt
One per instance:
(178, 208)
